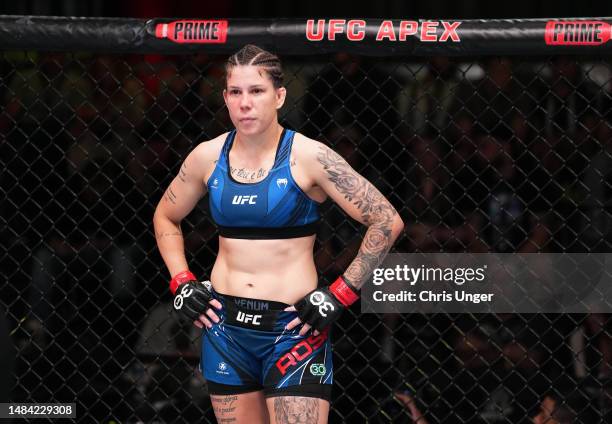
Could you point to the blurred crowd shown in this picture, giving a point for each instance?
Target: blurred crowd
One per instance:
(497, 155)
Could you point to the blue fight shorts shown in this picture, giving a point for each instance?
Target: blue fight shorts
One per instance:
(250, 350)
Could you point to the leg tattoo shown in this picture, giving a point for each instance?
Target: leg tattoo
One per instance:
(290, 409)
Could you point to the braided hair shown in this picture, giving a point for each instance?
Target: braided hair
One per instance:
(256, 56)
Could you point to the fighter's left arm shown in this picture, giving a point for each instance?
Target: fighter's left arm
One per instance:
(329, 172)
(362, 202)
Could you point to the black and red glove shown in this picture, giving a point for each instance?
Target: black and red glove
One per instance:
(323, 306)
(190, 296)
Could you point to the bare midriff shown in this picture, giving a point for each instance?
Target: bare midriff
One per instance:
(281, 270)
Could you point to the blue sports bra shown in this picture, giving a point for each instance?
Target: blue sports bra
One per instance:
(274, 208)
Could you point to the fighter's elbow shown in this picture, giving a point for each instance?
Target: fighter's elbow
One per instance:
(397, 227)
(163, 217)
(159, 214)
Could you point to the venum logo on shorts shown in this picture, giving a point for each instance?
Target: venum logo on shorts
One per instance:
(577, 33)
(248, 318)
(193, 32)
(242, 200)
(252, 304)
(317, 370)
(300, 352)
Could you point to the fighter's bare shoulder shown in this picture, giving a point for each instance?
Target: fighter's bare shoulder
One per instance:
(209, 150)
(306, 150)
(307, 145)
(205, 155)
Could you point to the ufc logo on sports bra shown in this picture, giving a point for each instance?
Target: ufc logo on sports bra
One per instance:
(246, 318)
(242, 200)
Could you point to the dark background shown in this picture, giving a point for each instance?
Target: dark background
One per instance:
(97, 365)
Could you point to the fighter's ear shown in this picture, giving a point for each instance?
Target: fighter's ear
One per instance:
(281, 95)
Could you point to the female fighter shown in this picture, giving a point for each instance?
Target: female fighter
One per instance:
(266, 353)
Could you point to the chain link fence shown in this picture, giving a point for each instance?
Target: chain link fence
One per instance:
(477, 155)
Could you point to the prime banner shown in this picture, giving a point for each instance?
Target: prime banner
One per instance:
(316, 35)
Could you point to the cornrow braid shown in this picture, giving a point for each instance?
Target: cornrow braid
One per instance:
(256, 56)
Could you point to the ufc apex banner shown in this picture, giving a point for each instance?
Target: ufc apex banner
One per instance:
(488, 282)
(316, 35)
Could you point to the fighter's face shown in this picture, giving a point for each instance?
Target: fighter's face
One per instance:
(251, 99)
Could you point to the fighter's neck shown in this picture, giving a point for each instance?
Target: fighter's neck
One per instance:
(259, 144)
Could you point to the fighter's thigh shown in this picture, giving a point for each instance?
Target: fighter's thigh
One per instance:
(243, 408)
(297, 409)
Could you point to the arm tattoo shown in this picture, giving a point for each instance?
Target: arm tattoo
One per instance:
(174, 234)
(292, 409)
(376, 212)
(170, 196)
(183, 173)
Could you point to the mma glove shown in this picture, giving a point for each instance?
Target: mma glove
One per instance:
(190, 296)
(323, 306)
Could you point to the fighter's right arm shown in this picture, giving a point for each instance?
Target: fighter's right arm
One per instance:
(187, 188)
